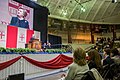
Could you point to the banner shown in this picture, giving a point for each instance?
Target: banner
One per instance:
(29, 34)
(3, 31)
(11, 37)
(15, 37)
(9, 9)
(37, 35)
(21, 38)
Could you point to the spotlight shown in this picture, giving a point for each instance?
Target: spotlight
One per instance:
(114, 1)
(34, 0)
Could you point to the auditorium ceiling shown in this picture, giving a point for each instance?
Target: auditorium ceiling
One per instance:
(90, 11)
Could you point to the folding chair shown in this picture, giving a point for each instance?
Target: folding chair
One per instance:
(88, 76)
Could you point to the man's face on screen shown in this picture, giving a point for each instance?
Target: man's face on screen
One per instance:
(20, 13)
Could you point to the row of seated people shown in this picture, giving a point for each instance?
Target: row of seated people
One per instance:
(109, 60)
(94, 65)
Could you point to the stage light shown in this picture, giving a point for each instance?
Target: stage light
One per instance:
(83, 9)
(34, 0)
(114, 1)
(64, 12)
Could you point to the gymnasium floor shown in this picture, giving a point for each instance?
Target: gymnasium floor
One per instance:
(54, 76)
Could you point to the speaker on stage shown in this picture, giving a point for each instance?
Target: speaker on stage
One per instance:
(16, 77)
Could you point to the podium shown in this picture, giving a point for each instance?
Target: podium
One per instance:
(34, 44)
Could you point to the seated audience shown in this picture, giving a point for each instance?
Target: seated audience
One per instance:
(48, 45)
(107, 59)
(94, 59)
(44, 46)
(79, 66)
(115, 56)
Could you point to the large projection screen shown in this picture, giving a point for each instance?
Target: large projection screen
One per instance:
(9, 8)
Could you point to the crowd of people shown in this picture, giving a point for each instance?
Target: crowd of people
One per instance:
(107, 64)
(46, 45)
(103, 42)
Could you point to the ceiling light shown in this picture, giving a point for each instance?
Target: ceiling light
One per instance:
(64, 12)
(34, 0)
(83, 9)
(114, 1)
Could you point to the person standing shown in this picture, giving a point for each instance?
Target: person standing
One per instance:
(20, 20)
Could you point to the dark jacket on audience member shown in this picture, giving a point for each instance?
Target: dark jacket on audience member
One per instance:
(108, 60)
(92, 64)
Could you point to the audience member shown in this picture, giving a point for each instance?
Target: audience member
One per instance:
(48, 45)
(115, 56)
(79, 66)
(107, 59)
(94, 59)
(44, 46)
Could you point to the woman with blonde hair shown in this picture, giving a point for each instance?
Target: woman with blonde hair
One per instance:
(79, 66)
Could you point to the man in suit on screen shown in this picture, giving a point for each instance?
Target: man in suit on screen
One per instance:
(20, 21)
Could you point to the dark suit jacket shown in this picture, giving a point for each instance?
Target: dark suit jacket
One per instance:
(108, 60)
(19, 23)
(92, 64)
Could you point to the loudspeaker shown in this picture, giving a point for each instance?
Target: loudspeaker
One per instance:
(16, 77)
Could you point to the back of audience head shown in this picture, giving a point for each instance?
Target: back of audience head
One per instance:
(107, 51)
(95, 56)
(79, 57)
(115, 52)
(107, 46)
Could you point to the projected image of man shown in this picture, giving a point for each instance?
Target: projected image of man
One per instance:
(20, 20)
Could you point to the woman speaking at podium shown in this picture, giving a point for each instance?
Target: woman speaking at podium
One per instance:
(20, 21)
